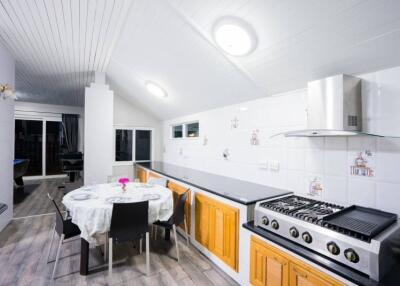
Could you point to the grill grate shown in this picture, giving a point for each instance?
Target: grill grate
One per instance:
(359, 222)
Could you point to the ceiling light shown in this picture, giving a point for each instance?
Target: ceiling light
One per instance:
(156, 90)
(243, 108)
(235, 36)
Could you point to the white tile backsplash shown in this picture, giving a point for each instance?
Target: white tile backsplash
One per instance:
(299, 159)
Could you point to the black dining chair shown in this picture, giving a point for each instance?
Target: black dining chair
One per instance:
(65, 229)
(177, 218)
(129, 221)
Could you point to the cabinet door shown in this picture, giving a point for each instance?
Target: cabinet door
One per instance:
(300, 276)
(178, 190)
(141, 174)
(202, 210)
(277, 270)
(267, 268)
(258, 264)
(224, 233)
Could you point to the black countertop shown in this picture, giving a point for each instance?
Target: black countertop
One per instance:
(233, 189)
(392, 279)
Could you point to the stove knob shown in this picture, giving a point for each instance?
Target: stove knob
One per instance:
(333, 248)
(351, 255)
(275, 224)
(265, 220)
(294, 232)
(307, 237)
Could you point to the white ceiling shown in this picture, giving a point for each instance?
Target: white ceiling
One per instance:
(58, 43)
(170, 42)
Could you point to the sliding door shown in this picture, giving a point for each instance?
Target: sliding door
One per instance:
(142, 145)
(54, 137)
(41, 142)
(29, 144)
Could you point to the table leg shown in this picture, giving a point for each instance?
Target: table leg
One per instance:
(167, 234)
(84, 257)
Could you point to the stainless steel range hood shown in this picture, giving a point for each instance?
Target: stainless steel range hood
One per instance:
(334, 108)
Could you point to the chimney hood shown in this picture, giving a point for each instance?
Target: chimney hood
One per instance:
(334, 108)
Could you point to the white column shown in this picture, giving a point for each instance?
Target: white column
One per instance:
(98, 148)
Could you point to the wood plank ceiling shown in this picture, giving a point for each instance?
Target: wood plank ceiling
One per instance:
(57, 44)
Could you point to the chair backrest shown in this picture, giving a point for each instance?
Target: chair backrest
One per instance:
(158, 181)
(179, 212)
(129, 221)
(59, 217)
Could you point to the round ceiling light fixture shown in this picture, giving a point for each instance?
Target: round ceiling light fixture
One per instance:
(156, 90)
(235, 36)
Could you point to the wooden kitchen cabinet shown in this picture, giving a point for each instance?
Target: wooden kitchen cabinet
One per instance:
(141, 174)
(300, 276)
(270, 266)
(217, 228)
(177, 190)
(266, 266)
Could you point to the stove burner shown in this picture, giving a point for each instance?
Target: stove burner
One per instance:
(303, 208)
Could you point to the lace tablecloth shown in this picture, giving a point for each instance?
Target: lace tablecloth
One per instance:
(93, 215)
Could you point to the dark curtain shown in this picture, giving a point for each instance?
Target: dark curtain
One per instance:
(71, 132)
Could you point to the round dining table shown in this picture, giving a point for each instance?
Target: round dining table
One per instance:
(91, 207)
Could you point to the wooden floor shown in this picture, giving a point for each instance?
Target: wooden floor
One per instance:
(24, 245)
(32, 199)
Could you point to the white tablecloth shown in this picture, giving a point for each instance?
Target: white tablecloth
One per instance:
(93, 216)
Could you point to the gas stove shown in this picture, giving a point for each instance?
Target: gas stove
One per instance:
(361, 238)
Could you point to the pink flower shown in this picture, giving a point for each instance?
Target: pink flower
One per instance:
(123, 181)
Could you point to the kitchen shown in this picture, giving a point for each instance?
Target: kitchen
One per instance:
(259, 141)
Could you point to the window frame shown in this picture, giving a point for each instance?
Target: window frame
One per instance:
(185, 129)
(133, 128)
(172, 131)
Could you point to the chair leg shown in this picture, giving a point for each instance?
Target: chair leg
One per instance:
(140, 246)
(147, 254)
(155, 232)
(57, 255)
(186, 231)
(176, 241)
(51, 244)
(106, 248)
(110, 255)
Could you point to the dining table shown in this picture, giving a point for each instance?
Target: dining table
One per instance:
(90, 208)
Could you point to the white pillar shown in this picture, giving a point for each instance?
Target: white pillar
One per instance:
(98, 149)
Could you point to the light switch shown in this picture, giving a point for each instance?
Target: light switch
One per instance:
(263, 165)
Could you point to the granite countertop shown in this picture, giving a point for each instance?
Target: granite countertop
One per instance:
(233, 189)
(392, 279)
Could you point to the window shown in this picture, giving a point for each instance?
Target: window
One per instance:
(133, 145)
(192, 130)
(143, 145)
(123, 145)
(177, 131)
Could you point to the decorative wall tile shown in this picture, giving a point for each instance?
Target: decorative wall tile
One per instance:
(255, 140)
(315, 186)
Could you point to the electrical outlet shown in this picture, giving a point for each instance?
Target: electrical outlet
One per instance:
(274, 166)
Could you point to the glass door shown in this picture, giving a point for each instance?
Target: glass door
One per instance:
(54, 139)
(142, 145)
(29, 144)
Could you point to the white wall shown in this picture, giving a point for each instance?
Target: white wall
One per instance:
(43, 111)
(128, 115)
(300, 159)
(98, 138)
(7, 75)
